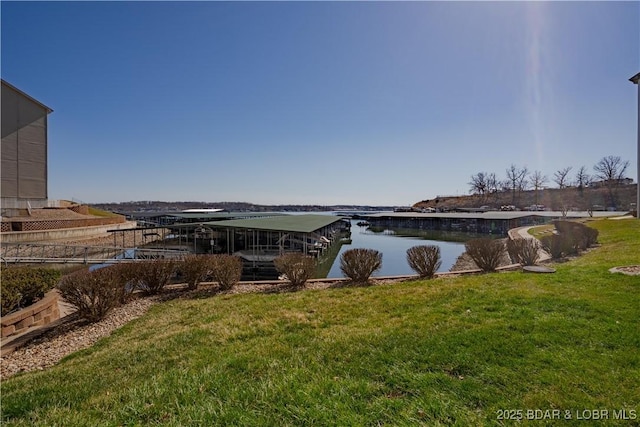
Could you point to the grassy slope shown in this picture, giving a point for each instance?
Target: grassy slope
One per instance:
(442, 352)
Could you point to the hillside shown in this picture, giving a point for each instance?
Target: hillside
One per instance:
(552, 198)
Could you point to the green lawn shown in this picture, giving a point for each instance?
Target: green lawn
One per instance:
(451, 351)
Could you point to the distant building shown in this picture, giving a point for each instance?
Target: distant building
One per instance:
(606, 183)
(24, 151)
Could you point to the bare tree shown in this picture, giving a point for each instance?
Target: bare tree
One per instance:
(517, 180)
(610, 170)
(504, 185)
(561, 177)
(478, 184)
(493, 185)
(583, 179)
(484, 184)
(523, 179)
(538, 180)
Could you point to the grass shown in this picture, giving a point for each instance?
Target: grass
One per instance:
(449, 351)
(541, 230)
(102, 213)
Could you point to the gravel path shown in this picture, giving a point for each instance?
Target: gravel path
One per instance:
(48, 349)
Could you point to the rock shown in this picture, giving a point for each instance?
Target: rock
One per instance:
(538, 269)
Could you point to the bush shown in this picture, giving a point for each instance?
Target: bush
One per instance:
(424, 260)
(152, 276)
(93, 293)
(572, 237)
(359, 264)
(22, 286)
(485, 252)
(591, 236)
(194, 269)
(226, 270)
(296, 266)
(523, 251)
(126, 274)
(11, 298)
(555, 245)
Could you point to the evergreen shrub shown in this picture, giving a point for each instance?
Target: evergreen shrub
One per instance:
(22, 286)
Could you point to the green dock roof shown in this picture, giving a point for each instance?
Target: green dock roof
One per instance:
(288, 223)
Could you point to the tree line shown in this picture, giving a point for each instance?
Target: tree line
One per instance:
(608, 172)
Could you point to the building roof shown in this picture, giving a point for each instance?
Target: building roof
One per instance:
(287, 223)
(29, 97)
(635, 78)
(202, 216)
(223, 215)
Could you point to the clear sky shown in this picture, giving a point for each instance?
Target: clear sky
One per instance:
(321, 102)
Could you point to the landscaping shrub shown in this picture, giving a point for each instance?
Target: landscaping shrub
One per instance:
(226, 270)
(424, 260)
(153, 276)
(194, 269)
(11, 297)
(591, 236)
(572, 237)
(296, 266)
(126, 274)
(555, 245)
(93, 293)
(359, 264)
(485, 252)
(523, 251)
(22, 286)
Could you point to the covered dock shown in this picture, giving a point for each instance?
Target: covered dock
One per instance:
(490, 222)
(258, 241)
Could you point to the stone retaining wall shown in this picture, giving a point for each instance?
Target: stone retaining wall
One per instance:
(39, 314)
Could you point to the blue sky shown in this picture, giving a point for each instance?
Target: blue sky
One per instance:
(321, 103)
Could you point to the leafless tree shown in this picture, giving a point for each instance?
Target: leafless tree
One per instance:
(504, 185)
(523, 179)
(611, 170)
(538, 180)
(517, 179)
(561, 177)
(583, 179)
(478, 184)
(484, 184)
(493, 185)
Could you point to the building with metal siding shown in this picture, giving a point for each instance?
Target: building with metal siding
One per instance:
(24, 150)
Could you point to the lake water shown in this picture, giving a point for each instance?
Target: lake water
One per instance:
(393, 245)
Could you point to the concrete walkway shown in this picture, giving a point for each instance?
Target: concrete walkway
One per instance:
(523, 233)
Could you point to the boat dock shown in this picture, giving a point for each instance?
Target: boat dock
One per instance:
(490, 222)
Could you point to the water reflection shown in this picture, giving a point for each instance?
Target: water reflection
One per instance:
(393, 244)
